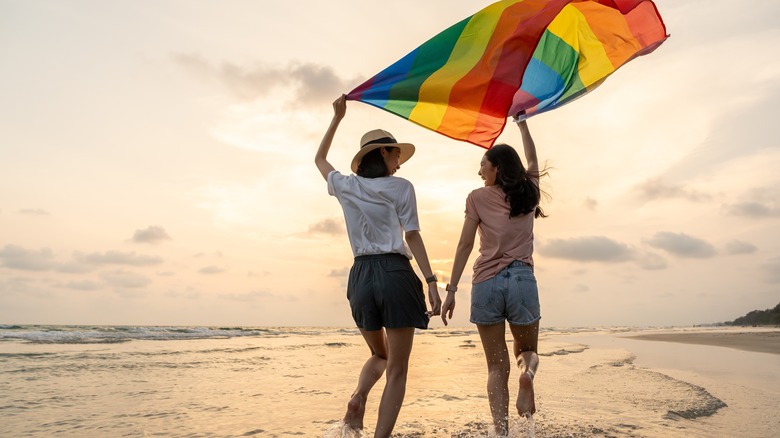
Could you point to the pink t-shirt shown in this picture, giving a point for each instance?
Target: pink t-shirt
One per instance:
(501, 240)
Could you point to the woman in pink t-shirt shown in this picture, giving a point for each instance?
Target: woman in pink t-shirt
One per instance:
(504, 287)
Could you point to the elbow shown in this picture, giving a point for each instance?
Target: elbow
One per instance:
(465, 246)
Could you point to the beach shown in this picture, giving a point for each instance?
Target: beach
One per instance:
(760, 340)
(286, 382)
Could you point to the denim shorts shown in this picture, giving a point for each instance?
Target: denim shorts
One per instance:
(384, 291)
(510, 295)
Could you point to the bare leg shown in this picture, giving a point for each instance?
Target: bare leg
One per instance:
(369, 375)
(494, 343)
(525, 343)
(399, 342)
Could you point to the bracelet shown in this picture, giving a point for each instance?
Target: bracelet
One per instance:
(432, 279)
(452, 289)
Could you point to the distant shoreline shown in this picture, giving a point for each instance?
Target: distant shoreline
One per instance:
(761, 341)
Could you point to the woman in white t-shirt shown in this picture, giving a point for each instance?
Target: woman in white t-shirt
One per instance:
(503, 286)
(384, 293)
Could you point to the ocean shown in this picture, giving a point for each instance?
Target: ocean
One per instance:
(130, 381)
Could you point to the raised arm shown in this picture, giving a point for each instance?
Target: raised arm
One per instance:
(321, 158)
(416, 244)
(465, 245)
(532, 164)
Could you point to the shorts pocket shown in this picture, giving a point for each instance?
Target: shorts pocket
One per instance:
(482, 296)
(401, 273)
(524, 276)
(525, 297)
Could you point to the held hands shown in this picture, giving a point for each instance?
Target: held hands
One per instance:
(434, 299)
(448, 307)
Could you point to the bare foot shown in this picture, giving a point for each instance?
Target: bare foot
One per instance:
(356, 409)
(525, 396)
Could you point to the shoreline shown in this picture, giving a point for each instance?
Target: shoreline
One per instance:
(759, 340)
(710, 381)
(591, 383)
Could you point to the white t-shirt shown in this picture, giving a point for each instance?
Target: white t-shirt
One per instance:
(377, 212)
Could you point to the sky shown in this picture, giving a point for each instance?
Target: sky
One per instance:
(156, 165)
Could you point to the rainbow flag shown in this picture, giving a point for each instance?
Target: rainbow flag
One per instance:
(514, 56)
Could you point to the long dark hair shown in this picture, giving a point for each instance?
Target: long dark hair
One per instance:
(373, 164)
(521, 193)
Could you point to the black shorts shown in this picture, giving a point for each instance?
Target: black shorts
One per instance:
(384, 291)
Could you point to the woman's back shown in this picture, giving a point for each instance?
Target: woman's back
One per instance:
(377, 211)
(502, 239)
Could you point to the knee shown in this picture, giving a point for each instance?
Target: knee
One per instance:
(500, 367)
(397, 371)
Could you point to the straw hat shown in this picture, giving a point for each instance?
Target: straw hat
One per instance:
(376, 139)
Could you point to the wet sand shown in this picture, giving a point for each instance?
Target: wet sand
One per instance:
(297, 382)
(594, 383)
(762, 340)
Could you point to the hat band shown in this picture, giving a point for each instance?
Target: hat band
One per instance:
(382, 140)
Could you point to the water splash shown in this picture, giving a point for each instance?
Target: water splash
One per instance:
(523, 428)
(341, 430)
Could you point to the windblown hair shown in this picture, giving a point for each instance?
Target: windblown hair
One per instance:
(373, 165)
(521, 192)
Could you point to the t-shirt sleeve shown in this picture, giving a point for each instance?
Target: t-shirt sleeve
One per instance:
(334, 178)
(407, 208)
(471, 207)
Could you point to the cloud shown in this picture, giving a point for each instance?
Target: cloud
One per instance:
(310, 82)
(772, 270)
(744, 132)
(580, 288)
(339, 273)
(739, 247)
(655, 189)
(23, 286)
(257, 296)
(763, 202)
(34, 212)
(252, 296)
(587, 249)
(118, 258)
(331, 227)
(651, 261)
(590, 204)
(753, 209)
(152, 234)
(682, 245)
(16, 257)
(84, 285)
(124, 279)
(74, 267)
(211, 270)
